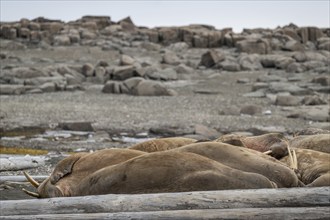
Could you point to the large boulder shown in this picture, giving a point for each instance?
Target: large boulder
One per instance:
(123, 72)
(127, 24)
(258, 46)
(249, 62)
(293, 45)
(171, 58)
(168, 35)
(211, 58)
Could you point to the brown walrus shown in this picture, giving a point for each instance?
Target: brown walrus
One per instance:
(166, 171)
(162, 144)
(247, 160)
(313, 166)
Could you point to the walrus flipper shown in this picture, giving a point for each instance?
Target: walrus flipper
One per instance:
(64, 167)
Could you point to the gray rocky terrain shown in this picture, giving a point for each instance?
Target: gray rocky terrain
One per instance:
(95, 83)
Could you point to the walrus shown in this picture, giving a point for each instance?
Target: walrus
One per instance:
(313, 166)
(76, 167)
(162, 144)
(247, 160)
(318, 142)
(165, 171)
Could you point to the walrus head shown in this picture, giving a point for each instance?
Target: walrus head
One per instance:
(44, 190)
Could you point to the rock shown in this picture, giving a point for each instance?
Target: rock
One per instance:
(287, 100)
(126, 60)
(319, 113)
(90, 25)
(88, 69)
(127, 24)
(201, 40)
(76, 126)
(123, 72)
(8, 32)
(229, 65)
(206, 132)
(150, 46)
(51, 27)
(99, 73)
(131, 83)
(313, 100)
(251, 110)
(283, 62)
(170, 58)
(316, 56)
(249, 62)
(178, 47)
(268, 60)
(61, 40)
(277, 87)
(312, 131)
(101, 21)
(87, 34)
(295, 68)
(171, 130)
(112, 87)
(313, 64)
(165, 74)
(324, 46)
(11, 89)
(251, 46)
(259, 130)
(322, 80)
(211, 58)
(183, 68)
(23, 33)
(48, 87)
(151, 88)
(292, 33)
(168, 35)
(256, 94)
(37, 81)
(300, 56)
(28, 72)
(293, 45)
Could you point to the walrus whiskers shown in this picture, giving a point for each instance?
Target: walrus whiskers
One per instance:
(31, 180)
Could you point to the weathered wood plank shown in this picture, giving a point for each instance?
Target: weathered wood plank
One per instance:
(245, 213)
(257, 198)
(21, 178)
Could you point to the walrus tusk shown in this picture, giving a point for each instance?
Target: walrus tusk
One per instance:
(31, 193)
(31, 180)
(292, 163)
(295, 162)
(268, 152)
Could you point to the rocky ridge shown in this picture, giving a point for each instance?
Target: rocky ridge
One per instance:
(259, 73)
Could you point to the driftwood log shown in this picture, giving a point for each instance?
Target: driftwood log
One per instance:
(21, 178)
(291, 203)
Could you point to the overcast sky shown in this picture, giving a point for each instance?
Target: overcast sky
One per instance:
(236, 14)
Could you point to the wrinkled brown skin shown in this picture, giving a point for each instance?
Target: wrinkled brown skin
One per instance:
(263, 142)
(71, 170)
(162, 144)
(168, 171)
(233, 139)
(247, 160)
(318, 142)
(313, 166)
